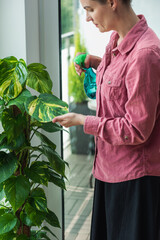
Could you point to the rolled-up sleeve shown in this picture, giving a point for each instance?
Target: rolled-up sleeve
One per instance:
(142, 82)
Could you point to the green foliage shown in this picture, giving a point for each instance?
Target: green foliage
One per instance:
(39, 78)
(13, 75)
(7, 222)
(45, 107)
(66, 16)
(8, 165)
(23, 202)
(17, 189)
(76, 82)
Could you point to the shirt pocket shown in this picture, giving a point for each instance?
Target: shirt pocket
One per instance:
(111, 87)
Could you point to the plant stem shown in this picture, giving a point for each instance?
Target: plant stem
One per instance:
(35, 149)
(34, 131)
(36, 187)
(38, 157)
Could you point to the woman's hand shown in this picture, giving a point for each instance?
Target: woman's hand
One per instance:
(78, 68)
(90, 61)
(70, 119)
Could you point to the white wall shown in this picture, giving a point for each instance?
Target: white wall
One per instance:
(32, 31)
(12, 29)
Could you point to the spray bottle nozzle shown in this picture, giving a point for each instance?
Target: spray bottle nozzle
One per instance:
(90, 77)
(80, 59)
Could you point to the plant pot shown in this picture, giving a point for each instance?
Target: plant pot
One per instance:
(81, 143)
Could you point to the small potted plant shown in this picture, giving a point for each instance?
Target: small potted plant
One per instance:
(23, 203)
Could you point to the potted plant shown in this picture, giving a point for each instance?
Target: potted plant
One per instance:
(23, 203)
(81, 143)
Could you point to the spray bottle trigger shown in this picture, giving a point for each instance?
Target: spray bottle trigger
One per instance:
(90, 77)
(80, 59)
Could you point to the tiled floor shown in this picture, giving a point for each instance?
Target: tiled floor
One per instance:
(78, 198)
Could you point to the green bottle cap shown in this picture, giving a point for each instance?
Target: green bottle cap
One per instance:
(80, 59)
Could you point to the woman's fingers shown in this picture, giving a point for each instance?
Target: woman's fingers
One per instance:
(70, 119)
(56, 119)
(78, 69)
(64, 120)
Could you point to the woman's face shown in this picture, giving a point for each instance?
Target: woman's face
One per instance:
(100, 14)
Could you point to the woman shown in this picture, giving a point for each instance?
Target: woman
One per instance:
(126, 126)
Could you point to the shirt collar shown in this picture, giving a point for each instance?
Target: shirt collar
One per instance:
(132, 36)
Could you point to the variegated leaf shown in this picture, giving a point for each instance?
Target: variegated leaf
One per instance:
(38, 78)
(17, 189)
(13, 75)
(20, 100)
(45, 107)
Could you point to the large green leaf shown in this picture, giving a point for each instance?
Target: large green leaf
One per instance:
(52, 127)
(47, 126)
(57, 180)
(39, 235)
(38, 172)
(14, 126)
(13, 76)
(25, 219)
(16, 143)
(42, 236)
(49, 231)
(8, 165)
(7, 223)
(38, 200)
(35, 216)
(38, 78)
(45, 140)
(17, 190)
(52, 219)
(45, 107)
(56, 162)
(20, 100)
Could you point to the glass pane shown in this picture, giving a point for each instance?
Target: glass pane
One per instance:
(81, 36)
(78, 147)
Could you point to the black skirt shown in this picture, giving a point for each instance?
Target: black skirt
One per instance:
(127, 211)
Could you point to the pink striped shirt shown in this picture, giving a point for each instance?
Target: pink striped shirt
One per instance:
(127, 122)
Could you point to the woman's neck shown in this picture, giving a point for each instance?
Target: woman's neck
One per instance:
(125, 22)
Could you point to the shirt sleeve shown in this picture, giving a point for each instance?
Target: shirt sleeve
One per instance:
(142, 107)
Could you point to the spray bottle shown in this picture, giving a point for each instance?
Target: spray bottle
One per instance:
(90, 86)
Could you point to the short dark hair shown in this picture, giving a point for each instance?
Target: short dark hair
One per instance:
(126, 2)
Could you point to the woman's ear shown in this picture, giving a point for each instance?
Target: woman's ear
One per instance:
(113, 4)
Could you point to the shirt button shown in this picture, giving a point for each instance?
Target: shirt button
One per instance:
(109, 82)
(126, 137)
